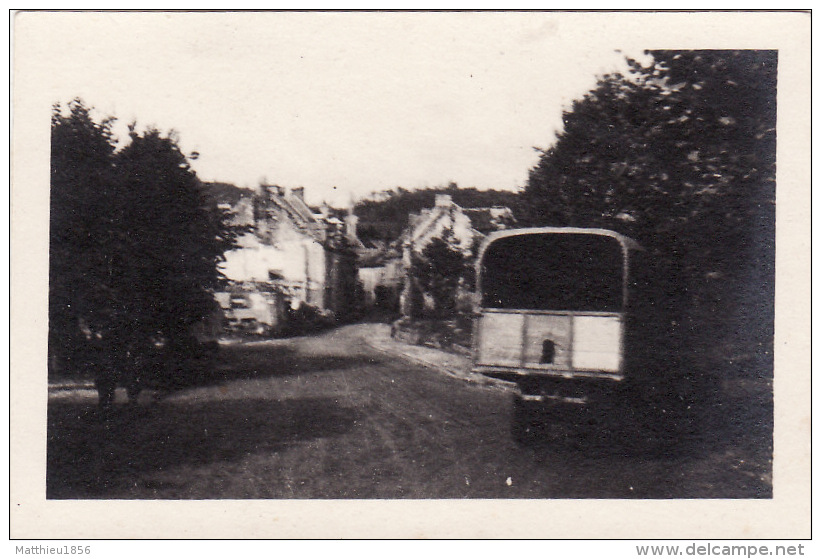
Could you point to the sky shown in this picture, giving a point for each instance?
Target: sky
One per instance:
(343, 104)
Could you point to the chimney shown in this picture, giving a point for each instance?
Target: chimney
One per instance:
(269, 190)
(443, 200)
(299, 192)
(350, 225)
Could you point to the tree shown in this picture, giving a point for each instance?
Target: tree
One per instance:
(440, 270)
(82, 232)
(135, 245)
(174, 240)
(679, 154)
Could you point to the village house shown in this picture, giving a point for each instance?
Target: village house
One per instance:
(463, 227)
(381, 276)
(288, 256)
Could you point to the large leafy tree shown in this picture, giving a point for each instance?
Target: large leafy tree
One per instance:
(135, 245)
(173, 239)
(83, 232)
(680, 154)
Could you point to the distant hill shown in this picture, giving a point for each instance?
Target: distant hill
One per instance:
(225, 193)
(384, 215)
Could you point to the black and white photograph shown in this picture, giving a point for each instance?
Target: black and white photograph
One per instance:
(518, 267)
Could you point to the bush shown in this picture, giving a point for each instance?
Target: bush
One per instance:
(307, 319)
(453, 334)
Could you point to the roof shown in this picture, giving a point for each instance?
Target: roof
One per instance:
(376, 257)
(482, 220)
(296, 209)
(626, 242)
(486, 220)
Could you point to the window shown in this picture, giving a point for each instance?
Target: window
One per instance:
(553, 271)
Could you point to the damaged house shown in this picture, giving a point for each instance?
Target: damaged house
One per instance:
(289, 256)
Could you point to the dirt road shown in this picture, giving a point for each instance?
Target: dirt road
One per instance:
(331, 417)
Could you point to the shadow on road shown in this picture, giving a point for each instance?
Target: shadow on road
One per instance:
(93, 458)
(254, 361)
(731, 440)
(249, 361)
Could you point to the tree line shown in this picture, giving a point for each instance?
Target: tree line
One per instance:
(384, 216)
